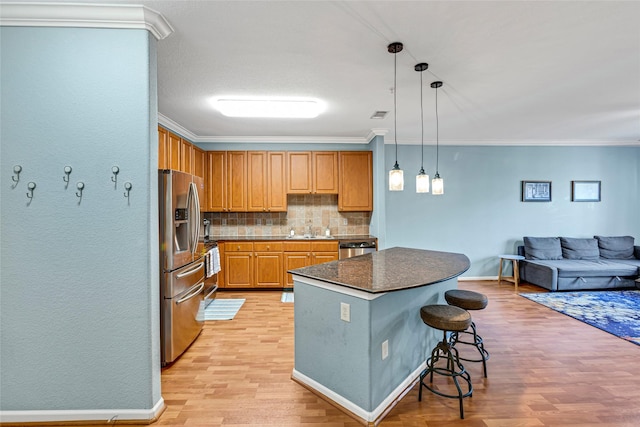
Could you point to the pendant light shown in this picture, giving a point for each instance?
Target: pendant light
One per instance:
(396, 176)
(422, 179)
(437, 183)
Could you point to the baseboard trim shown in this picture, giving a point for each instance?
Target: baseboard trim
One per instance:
(84, 416)
(368, 418)
(476, 278)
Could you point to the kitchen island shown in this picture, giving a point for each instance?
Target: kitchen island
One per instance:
(359, 339)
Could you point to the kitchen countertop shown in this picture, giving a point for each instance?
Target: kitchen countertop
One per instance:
(298, 238)
(388, 270)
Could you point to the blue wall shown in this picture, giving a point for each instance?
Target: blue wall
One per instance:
(79, 277)
(481, 214)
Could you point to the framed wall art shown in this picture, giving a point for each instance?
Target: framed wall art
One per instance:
(536, 191)
(585, 191)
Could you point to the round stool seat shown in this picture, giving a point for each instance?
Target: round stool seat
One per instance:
(468, 300)
(445, 317)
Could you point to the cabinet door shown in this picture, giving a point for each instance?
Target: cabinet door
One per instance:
(186, 153)
(276, 182)
(237, 181)
(320, 257)
(216, 181)
(299, 179)
(325, 172)
(238, 267)
(163, 148)
(356, 181)
(293, 260)
(175, 148)
(256, 181)
(199, 162)
(268, 269)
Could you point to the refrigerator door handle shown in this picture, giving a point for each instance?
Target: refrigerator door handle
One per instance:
(191, 294)
(196, 217)
(190, 272)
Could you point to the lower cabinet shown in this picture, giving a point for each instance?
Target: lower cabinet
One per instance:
(264, 264)
(304, 254)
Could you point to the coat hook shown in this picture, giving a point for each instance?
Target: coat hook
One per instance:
(80, 187)
(115, 170)
(31, 186)
(127, 186)
(16, 170)
(67, 172)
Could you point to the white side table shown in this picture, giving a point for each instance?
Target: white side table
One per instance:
(516, 273)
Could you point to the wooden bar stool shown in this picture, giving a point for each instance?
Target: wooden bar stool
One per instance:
(446, 318)
(469, 300)
(516, 274)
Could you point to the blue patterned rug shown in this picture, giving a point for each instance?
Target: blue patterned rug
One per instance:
(616, 312)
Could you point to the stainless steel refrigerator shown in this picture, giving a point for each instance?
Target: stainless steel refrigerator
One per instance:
(181, 266)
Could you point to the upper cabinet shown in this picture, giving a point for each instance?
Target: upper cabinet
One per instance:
(312, 172)
(199, 165)
(356, 181)
(226, 181)
(169, 147)
(266, 191)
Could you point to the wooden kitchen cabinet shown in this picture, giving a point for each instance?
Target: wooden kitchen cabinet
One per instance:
(238, 265)
(163, 148)
(199, 162)
(186, 156)
(226, 181)
(312, 172)
(175, 149)
(355, 181)
(266, 172)
(268, 264)
(303, 254)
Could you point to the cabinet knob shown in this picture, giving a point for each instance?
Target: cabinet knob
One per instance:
(238, 247)
(267, 247)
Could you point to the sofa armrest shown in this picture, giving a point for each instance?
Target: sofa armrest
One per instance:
(636, 251)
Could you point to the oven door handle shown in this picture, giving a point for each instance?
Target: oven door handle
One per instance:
(190, 272)
(191, 294)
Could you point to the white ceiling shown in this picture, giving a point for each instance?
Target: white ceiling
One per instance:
(514, 72)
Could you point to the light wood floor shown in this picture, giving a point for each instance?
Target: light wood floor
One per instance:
(546, 369)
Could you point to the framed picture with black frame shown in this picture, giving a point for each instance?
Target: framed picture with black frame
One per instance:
(536, 191)
(585, 191)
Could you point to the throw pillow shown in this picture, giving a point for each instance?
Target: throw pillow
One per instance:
(542, 248)
(616, 247)
(573, 248)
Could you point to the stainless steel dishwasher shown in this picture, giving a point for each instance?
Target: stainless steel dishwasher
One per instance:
(351, 248)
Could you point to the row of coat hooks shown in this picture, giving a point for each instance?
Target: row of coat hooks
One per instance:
(31, 186)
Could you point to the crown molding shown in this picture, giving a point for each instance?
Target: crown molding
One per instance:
(524, 142)
(85, 16)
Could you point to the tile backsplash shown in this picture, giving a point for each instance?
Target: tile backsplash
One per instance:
(303, 210)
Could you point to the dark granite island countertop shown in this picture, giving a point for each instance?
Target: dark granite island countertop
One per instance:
(388, 270)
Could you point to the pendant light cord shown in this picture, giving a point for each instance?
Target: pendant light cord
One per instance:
(437, 133)
(395, 108)
(422, 127)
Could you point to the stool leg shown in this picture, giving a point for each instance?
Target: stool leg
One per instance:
(477, 342)
(500, 271)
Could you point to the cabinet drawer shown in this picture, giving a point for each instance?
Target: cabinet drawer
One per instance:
(238, 247)
(297, 246)
(324, 246)
(267, 246)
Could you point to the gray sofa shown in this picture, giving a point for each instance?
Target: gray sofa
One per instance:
(565, 263)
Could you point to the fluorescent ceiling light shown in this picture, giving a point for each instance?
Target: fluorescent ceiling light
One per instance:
(305, 108)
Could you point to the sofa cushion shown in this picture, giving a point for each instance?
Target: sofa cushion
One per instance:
(616, 247)
(573, 248)
(542, 248)
(588, 268)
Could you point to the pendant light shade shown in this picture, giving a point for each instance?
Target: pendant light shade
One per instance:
(422, 179)
(396, 176)
(437, 183)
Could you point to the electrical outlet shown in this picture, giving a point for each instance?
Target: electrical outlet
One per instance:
(385, 349)
(224, 221)
(345, 312)
(345, 221)
(269, 222)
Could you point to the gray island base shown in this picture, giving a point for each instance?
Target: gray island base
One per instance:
(359, 340)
